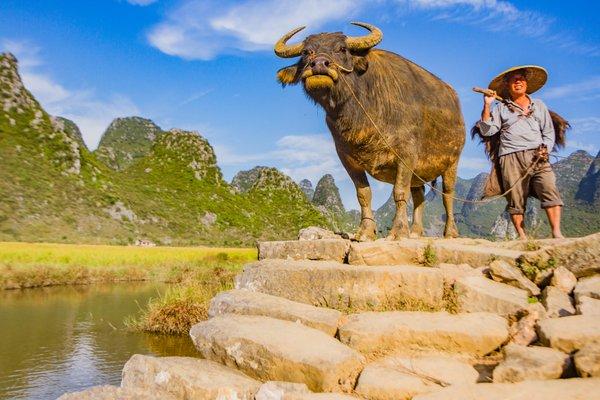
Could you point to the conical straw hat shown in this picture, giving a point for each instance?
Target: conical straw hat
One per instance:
(536, 78)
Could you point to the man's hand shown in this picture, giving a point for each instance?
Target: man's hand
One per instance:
(489, 98)
(542, 153)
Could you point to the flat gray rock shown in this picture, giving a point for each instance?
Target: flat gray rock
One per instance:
(246, 302)
(323, 250)
(475, 252)
(563, 279)
(451, 272)
(588, 306)
(272, 349)
(475, 294)
(557, 302)
(587, 360)
(523, 363)
(342, 286)
(401, 378)
(569, 333)
(108, 392)
(557, 389)
(581, 256)
(504, 272)
(277, 390)
(186, 377)
(589, 287)
(473, 333)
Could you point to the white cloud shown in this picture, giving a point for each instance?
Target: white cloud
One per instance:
(589, 147)
(25, 51)
(588, 89)
(141, 2)
(202, 29)
(299, 156)
(474, 163)
(586, 125)
(90, 112)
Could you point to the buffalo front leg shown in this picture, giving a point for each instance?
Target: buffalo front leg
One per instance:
(401, 190)
(367, 229)
(418, 197)
(448, 183)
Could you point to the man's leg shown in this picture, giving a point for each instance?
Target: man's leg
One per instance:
(553, 214)
(544, 184)
(518, 221)
(513, 168)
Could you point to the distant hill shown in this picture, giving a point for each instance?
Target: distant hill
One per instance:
(126, 140)
(141, 183)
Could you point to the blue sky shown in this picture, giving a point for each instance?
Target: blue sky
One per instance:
(209, 66)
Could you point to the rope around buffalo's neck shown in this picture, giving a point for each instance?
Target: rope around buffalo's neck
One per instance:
(426, 183)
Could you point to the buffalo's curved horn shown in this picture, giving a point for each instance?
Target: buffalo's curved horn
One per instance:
(367, 41)
(288, 51)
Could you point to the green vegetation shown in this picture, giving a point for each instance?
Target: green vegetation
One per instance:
(26, 265)
(183, 305)
(429, 258)
(142, 183)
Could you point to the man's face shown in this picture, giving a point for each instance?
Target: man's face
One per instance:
(517, 85)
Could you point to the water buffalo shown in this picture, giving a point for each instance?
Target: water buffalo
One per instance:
(418, 115)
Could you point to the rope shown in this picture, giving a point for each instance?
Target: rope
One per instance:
(426, 183)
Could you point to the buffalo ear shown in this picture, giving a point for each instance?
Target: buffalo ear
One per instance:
(288, 75)
(361, 65)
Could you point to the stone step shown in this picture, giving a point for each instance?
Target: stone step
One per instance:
(108, 392)
(187, 378)
(569, 333)
(322, 249)
(246, 302)
(476, 253)
(401, 378)
(379, 333)
(477, 293)
(581, 256)
(528, 363)
(271, 349)
(587, 360)
(557, 389)
(589, 287)
(342, 286)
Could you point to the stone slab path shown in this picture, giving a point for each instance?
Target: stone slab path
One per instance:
(422, 319)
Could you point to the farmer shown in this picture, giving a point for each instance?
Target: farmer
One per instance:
(526, 136)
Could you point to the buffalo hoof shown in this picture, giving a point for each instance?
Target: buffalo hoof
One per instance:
(397, 234)
(367, 232)
(416, 231)
(450, 232)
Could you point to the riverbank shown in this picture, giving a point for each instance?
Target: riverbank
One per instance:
(29, 265)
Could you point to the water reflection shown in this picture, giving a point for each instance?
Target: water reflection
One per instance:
(55, 340)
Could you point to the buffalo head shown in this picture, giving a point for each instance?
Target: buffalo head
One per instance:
(324, 56)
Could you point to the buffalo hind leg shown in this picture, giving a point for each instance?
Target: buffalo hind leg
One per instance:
(367, 229)
(418, 197)
(448, 183)
(401, 190)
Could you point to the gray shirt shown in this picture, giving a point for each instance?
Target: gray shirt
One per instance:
(518, 131)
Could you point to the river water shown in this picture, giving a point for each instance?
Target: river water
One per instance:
(63, 339)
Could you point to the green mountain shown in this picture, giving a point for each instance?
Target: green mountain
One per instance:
(141, 183)
(588, 189)
(307, 188)
(326, 198)
(127, 140)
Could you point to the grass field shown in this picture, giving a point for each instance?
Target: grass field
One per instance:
(199, 273)
(27, 265)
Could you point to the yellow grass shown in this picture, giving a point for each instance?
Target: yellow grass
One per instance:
(44, 264)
